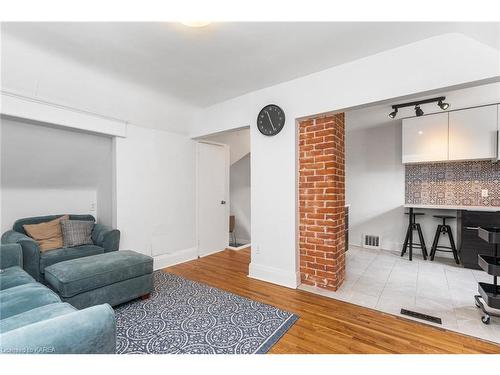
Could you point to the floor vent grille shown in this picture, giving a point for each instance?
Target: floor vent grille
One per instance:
(371, 241)
(421, 316)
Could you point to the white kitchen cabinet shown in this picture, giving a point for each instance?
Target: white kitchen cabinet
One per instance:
(473, 133)
(425, 138)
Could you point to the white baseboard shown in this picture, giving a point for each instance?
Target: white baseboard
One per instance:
(181, 256)
(239, 247)
(388, 246)
(212, 252)
(274, 275)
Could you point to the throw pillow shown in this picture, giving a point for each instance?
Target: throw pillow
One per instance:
(76, 232)
(48, 235)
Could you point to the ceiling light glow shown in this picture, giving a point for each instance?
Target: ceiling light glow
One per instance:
(196, 23)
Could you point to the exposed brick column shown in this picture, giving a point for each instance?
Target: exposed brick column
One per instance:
(322, 201)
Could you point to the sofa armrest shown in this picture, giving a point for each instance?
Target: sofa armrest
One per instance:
(30, 249)
(106, 237)
(92, 330)
(11, 255)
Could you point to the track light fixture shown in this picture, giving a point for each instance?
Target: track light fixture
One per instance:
(418, 111)
(393, 113)
(443, 105)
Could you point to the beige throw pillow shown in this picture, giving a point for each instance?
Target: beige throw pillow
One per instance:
(48, 235)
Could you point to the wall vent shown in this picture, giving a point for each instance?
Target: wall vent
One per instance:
(371, 241)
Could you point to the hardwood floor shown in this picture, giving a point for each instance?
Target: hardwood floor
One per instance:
(327, 325)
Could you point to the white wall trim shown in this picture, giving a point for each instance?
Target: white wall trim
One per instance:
(181, 256)
(274, 275)
(211, 253)
(242, 247)
(33, 109)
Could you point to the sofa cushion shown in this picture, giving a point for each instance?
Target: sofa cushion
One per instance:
(48, 235)
(14, 276)
(80, 275)
(76, 232)
(19, 224)
(19, 299)
(35, 315)
(67, 253)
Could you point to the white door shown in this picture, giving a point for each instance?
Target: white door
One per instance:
(473, 133)
(212, 192)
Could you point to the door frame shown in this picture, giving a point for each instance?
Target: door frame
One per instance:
(226, 193)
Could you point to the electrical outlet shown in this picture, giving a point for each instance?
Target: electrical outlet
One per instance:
(92, 206)
(256, 248)
(484, 193)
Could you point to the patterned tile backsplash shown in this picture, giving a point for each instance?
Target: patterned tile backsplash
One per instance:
(453, 183)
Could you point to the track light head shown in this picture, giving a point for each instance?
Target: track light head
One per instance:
(443, 105)
(393, 113)
(418, 111)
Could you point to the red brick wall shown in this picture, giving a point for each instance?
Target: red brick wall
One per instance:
(321, 201)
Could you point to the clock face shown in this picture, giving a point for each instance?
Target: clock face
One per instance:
(271, 120)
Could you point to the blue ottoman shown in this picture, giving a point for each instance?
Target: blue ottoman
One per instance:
(112, 278)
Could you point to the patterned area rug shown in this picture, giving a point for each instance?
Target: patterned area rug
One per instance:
(183, 316)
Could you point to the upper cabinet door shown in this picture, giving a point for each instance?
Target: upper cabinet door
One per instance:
(473, 133)
(425, 138)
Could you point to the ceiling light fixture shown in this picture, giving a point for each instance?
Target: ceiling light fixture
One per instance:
(393, 113)
(418, 111)
(196, 23)
(443, 105)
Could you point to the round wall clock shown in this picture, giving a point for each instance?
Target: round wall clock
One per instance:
(271, 120)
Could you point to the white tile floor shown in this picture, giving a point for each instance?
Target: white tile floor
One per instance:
(384, 281)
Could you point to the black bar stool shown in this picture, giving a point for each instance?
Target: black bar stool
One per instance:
(413, 225)
(444, 229)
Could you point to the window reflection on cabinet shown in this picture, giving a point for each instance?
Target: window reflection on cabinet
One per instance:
(425, 138)
(473, 133)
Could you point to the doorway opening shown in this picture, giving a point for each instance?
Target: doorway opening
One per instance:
(223, 191)
(382, 184)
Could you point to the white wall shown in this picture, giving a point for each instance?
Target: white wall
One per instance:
(43, 74)
(156, 194)
(238, 142)
(20, 203)
(47, 170)
(434, 63)
(155, 167)
(239, 192)
(375, 182)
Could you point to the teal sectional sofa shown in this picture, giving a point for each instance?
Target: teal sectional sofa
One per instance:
(34, 320)
(104, 238)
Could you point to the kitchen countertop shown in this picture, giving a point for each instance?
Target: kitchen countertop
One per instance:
(450, 207)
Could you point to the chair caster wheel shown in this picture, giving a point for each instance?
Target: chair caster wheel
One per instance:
(485, 319)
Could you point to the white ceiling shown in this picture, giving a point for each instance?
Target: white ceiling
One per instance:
(223, 60)
(378, 115)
